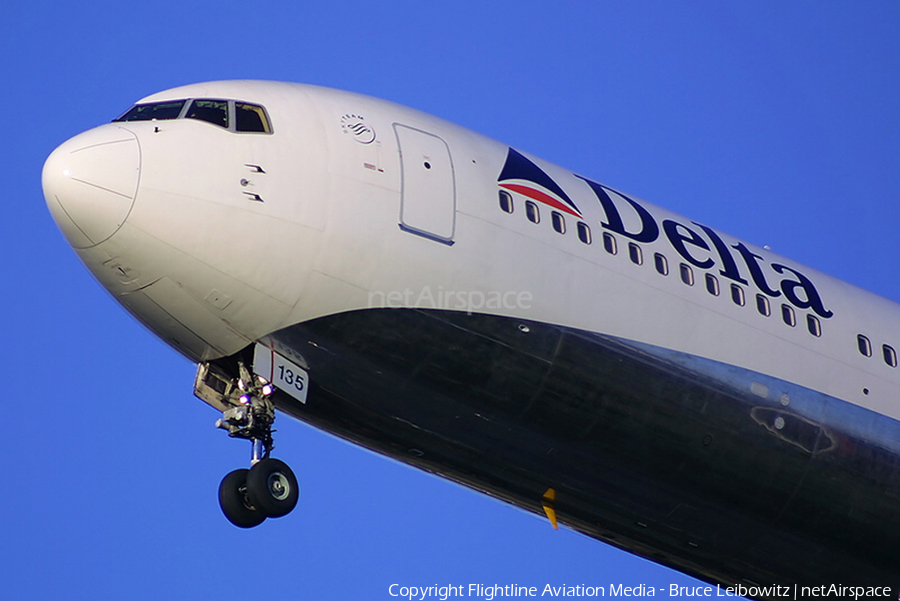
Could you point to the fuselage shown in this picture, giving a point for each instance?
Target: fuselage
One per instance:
(470, 309)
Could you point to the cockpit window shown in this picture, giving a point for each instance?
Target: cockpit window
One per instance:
(233, 115)
(156, 110)
(251, 117)
(211, 111)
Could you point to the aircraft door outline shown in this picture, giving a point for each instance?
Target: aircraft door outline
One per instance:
(428, 185)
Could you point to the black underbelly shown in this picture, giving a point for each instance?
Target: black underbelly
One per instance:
(722, 473)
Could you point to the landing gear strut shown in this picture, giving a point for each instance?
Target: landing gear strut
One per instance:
(269, 488)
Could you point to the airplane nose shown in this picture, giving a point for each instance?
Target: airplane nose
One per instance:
(90, 183)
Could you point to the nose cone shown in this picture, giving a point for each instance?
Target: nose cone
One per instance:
(90, 183)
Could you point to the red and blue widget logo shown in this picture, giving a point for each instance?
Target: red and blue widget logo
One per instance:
(522, 176)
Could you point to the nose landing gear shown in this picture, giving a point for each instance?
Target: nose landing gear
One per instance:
(269, 488)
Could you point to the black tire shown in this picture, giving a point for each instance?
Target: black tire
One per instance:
(235, 502)
(272, 488)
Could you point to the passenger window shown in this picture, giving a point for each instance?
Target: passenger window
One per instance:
(609, 243)
(712, 284)
(890, 355)
(211, 111)
(531, 211)
(813, 325)
(787, 315)
(762, 305)
(506, 201)
(662, 265)
(159, 111)
(251, 118)
(687, 274)
(584, 232)
(634, 252)
(737, 295)
(559, 222)
(865, 347)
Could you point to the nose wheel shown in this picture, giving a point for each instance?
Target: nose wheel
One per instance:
(236, 503)
(269, 488)
(272, 488)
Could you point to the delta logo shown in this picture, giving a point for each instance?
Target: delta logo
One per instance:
(522, 176)
(697, 245)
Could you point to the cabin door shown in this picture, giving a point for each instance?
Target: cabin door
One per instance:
(428, 187)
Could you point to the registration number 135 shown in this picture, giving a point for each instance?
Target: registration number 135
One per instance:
(286, 375)
(290, 378)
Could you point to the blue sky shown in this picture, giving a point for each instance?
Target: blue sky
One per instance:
(777, 122)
